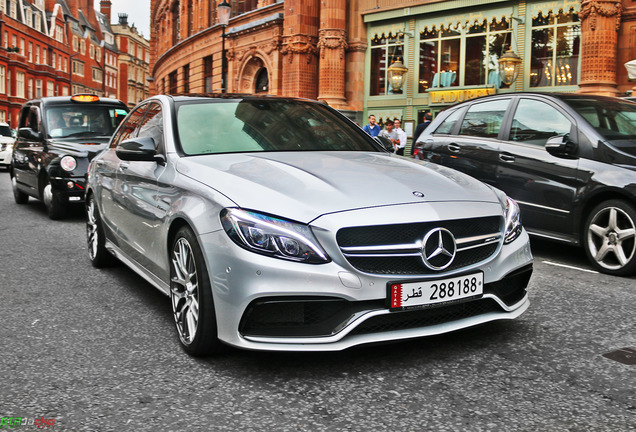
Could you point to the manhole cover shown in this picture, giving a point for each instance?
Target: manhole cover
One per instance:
(624, 355)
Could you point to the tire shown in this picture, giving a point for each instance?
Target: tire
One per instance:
(191, 296)
(19, 196)
(610, 237)
(55, 205)
(95, 238)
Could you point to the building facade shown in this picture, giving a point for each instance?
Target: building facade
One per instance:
(132, 62)
(340, 51)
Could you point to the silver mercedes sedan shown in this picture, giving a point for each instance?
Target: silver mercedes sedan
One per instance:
(278, 224)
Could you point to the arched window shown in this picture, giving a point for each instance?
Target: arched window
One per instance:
(262, 82)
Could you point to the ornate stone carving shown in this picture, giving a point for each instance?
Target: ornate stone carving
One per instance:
(591, 9)
(335, 39)
(357, 46)
(299, 44)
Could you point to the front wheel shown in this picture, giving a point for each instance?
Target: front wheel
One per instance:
(191, 296)
(54, 203)
(610, 237)
(19, 196)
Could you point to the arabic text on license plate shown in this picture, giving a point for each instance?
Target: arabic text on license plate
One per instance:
(407, 294)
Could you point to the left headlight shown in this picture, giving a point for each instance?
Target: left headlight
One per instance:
(513, 221)
(272, 236)
(68, 163)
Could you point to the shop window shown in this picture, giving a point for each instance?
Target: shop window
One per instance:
(440, 62)
(484, 119)
(385, 50)
(556, 47)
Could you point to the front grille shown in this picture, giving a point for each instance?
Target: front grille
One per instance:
(397, 249)
(426, 317)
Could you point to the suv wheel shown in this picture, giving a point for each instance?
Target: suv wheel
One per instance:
(19, 196)
(55, 205)
(610, 237)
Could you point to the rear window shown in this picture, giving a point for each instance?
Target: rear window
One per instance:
(212, 127)
(78, 120)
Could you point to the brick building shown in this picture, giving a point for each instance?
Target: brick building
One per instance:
(34, 59)
(340, 50)
(133, 60)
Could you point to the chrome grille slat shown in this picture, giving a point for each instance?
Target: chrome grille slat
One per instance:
(369, 249)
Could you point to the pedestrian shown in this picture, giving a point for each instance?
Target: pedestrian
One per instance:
(428, 117)
(401, 136)
(372, 128)
(391, 134)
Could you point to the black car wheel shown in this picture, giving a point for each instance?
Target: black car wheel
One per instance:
(191, 296)
(19, 196)
(97, 252)
(55, 205)
(610, 237)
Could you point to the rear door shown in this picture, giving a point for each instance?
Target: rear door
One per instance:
(471, 144)
(545, 186)
(29, 153)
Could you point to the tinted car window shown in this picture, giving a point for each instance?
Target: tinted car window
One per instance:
(535, 121)
(129, 129)
(152, 126)
(447, 125)
(250, 126)
(5, 131)
(82, 120)
(615, 120)
(484, 119)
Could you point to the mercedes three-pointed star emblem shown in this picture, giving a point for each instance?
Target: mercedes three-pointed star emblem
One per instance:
(438, 249)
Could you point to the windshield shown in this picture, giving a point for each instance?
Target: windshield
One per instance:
(213, 127)
(78, 120)
(5, 131)
(613, 119)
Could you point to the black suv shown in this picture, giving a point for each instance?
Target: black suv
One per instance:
(568, 160)
(57, 138)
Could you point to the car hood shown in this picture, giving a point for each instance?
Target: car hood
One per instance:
(6, 140)
(80, 146)
(306, 185)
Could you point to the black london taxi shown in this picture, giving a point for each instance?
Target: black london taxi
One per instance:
(57, 138)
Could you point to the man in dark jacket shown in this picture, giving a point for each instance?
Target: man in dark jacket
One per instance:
(420, 128)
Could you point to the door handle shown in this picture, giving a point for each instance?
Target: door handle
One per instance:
(454, 148)
(506, 157)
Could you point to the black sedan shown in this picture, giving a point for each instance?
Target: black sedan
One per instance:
(569, 160)
(57, 138)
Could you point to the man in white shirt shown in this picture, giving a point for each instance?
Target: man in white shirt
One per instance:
(401, 136)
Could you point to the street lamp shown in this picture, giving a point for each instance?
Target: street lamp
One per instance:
(396, 71)
(223, 11)
(509, 65)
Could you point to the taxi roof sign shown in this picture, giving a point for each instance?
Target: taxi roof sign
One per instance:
(85, 98)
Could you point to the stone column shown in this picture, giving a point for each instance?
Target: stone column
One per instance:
(600, 22)
(299, 50)
(332, 43)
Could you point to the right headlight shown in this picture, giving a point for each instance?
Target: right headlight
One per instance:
(272, 236)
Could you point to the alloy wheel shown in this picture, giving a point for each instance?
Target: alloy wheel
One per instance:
(612, 238)
(184, 291)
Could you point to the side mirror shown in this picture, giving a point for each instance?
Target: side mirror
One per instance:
(29, 134)
(140, 149)
(561, 146)
(385, 143)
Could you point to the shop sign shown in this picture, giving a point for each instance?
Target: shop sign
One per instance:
(448, 97)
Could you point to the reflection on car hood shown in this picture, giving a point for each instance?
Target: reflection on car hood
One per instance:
(6, 140)
(80, 146)
(305, 185)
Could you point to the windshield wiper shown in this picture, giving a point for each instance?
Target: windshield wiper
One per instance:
(86, 133)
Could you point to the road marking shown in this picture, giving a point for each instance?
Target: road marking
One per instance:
(570, 267)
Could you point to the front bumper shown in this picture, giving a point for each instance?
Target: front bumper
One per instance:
(71, 189)
(263, 303)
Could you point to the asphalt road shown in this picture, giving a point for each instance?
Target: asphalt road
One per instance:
(96, 350)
